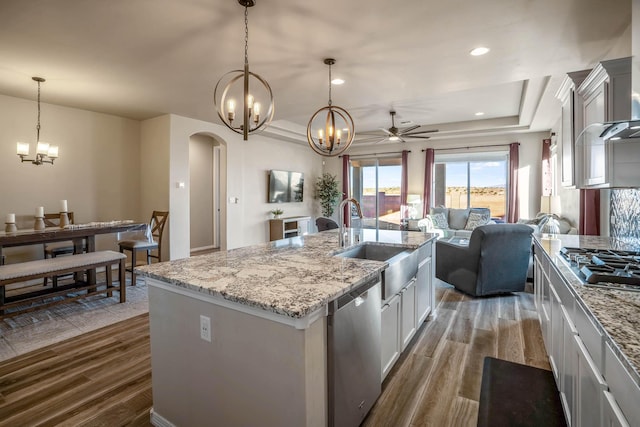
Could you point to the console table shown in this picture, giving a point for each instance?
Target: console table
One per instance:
(283, 228)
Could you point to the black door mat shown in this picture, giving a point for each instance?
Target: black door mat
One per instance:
(518, 395)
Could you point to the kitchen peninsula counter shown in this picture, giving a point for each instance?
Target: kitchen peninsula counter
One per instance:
(240, 337)
(618, 312)
(600, 364)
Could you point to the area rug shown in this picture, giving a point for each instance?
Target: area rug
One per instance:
(33, 330)
(518, 395)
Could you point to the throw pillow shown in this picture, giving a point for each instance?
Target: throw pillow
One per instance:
(439, 220)
(476, 219)
(458, 218)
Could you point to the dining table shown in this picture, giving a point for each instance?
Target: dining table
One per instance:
(82, 236)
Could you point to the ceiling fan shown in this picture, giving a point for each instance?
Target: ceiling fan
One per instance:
(395, 134)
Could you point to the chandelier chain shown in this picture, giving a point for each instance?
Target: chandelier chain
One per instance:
(38, 125)
(246, 35)
(329, 85)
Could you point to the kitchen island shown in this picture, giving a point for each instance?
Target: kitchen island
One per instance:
(592, 334)
(240, 337)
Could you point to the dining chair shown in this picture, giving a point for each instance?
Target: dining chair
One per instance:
(54, 249)
(151, 243)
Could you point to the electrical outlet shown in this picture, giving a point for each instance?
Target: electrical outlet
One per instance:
(205, 328)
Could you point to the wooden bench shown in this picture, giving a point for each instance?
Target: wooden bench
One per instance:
(21, 272)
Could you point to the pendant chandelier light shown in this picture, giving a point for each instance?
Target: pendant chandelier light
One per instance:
(229, 89)
(45, 153)
(334, 130)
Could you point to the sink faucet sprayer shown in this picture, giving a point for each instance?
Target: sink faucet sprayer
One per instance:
(341, 235)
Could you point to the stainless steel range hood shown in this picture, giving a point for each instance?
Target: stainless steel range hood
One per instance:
(611, 154)
(614, 131)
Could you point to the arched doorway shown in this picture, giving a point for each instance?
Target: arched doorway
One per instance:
(206, 164)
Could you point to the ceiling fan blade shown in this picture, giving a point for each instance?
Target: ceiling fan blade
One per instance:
(409, 129)
(370, 138)
(401, 139)
(387, 131)
(422, 131)
(417, 136)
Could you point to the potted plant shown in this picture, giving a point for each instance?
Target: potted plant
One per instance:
(276, 213)
(328, 193)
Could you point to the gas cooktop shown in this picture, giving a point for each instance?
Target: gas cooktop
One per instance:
(605, 268)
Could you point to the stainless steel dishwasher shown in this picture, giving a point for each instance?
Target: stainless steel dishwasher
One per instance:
(354, 361)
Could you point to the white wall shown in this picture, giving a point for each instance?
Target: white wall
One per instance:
(530, 178)
(247, 163)
(154, 174)
(97, 171)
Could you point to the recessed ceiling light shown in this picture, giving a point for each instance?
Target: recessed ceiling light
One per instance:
(479, 51)
(480, 113)
(337, 81)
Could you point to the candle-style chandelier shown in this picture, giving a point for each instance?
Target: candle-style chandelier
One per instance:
(334, 131)
(45, 152)
(227, 91)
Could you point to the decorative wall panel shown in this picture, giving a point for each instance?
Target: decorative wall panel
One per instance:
(625, 211)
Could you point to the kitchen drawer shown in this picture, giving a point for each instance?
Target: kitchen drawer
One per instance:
(612, 416)
(621, 385)
(590, 333)
(562, 289)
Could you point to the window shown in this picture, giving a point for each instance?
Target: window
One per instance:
(375, 183)
(476, 180)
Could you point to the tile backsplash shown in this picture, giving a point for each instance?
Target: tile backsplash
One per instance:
(625, 211)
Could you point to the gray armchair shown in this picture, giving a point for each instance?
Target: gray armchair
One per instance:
(494, 262)
(325, 224)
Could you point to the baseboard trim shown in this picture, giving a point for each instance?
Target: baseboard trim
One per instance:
(159, 420)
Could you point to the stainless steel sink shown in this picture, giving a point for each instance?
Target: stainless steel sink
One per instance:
(373, 252)
(403, 264)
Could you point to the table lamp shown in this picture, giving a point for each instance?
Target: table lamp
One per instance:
(550, 205)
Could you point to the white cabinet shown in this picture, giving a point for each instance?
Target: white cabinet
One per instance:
(612, 416)
(403, 313)
(594, 386)
(571, 114)
(390, 334)
(424, 289)
(408, 308)
(589, 388)
(624, 389)
(283, 228)
(605, 97)
(594, 155)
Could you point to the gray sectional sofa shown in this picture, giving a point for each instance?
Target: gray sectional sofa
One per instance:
(450, 222)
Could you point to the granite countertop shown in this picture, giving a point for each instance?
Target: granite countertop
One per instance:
(292, 277)
(618, 312)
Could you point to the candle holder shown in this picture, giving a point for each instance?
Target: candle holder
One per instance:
(10, 227)
(39, 223)
(64, 219)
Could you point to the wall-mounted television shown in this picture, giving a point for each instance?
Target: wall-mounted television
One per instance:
(285, 186)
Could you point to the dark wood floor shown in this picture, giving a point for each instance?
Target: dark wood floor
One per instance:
(436, 382)
(104, 377)
(99, 378)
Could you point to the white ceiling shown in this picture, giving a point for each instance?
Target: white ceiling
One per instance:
(144, 58)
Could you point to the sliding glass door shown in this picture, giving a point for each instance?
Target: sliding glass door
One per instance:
(375, 183)
(472, 180)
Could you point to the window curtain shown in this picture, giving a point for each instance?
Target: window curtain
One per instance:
(514, 160)
(546, 168)
(428, 181)
(589, 212)
(345, 189)
(404, 183)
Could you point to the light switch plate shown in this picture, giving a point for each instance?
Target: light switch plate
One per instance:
(205, 328)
